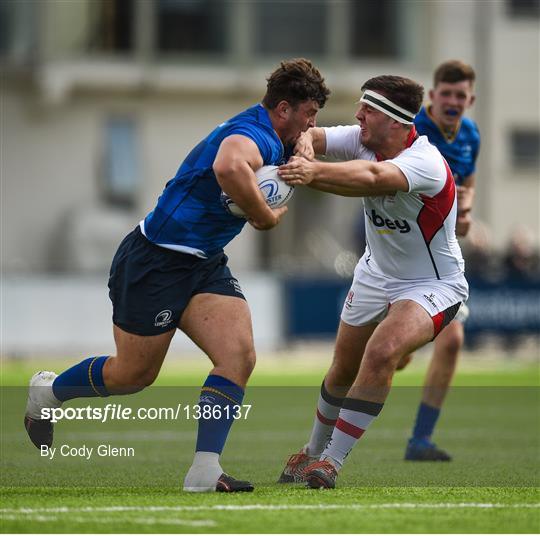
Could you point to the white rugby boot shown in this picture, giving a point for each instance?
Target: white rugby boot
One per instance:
(40, 395)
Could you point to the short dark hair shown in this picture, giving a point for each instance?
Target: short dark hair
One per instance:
(453, 71)
(404, 92)
(295, 81)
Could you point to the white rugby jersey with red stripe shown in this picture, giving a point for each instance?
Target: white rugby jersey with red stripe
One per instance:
(409, 235)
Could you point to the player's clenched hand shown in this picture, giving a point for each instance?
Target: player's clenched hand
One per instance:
(304, 146)
(297, 170)
(268, 224)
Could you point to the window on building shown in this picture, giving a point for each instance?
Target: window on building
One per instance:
(18, 35)
(6, 26)
(191, 25)
(525, 147)
(278, 28)
(523, 8)
(120, 177)
(290, 28)
(113, 25)
(373, 28)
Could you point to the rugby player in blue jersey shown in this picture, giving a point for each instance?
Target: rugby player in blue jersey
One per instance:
(458, 139)
(171, 273)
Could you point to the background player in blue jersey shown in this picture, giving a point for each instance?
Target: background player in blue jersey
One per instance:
(171, 272)
(458, 139)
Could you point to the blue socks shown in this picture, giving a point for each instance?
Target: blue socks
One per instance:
(217, 402)
(426, 418)
(82, 380)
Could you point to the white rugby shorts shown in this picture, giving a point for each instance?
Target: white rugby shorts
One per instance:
(371, 295)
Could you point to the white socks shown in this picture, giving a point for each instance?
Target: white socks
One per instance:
(354, 418)
(328, 408)
(203, 473)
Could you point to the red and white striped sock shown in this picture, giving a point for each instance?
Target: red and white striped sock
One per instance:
(328, 408)
(354, 418)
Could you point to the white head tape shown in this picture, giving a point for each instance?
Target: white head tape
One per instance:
(386, 106)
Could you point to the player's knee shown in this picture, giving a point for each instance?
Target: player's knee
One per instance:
(248, 361)
(454, 344)
(239, 362)
(134, 379)
(382, 356)
(147, 377)
(451, 343)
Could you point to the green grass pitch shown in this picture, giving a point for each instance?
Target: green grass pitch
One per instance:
(490, 425)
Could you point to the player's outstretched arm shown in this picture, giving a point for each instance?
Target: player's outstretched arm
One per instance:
(356, 178)
(237, 158)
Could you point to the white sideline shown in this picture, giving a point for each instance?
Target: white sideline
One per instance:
(229, 507)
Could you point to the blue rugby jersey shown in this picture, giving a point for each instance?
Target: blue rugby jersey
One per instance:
(189, 215)
(460, 152)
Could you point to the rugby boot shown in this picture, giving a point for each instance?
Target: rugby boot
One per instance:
(422, 450)
(320, 475)
(294, 470)
(40, 395)
(228, 484)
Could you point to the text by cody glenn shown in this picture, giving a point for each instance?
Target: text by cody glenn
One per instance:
(85, 452)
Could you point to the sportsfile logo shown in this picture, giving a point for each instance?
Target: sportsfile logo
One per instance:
(401, 225)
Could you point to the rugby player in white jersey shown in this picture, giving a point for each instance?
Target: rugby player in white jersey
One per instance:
(409, 283)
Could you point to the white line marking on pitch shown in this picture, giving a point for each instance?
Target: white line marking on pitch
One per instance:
(229, 507)
(135, 520)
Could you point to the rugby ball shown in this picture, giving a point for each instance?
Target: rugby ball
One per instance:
(276, 192)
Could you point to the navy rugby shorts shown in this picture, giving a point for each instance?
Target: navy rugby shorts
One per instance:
(150, 286)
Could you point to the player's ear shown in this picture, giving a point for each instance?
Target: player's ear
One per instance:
(283, 109)
(431, 94)
(473, 98)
